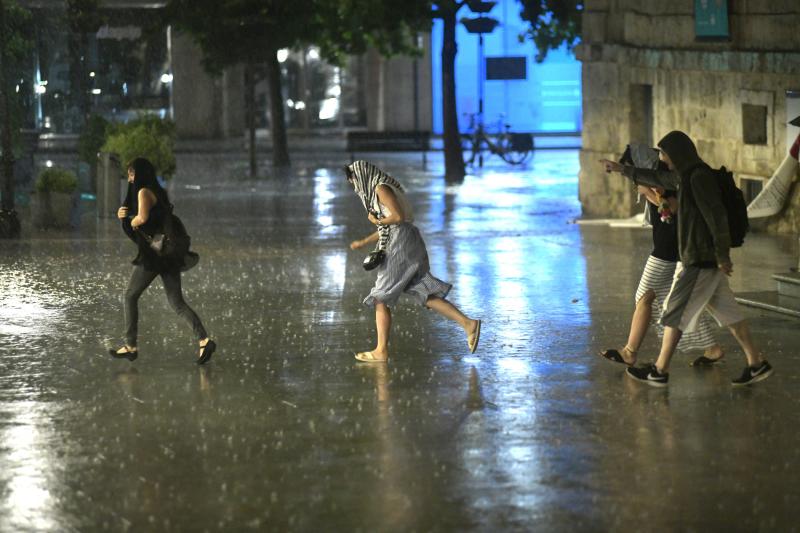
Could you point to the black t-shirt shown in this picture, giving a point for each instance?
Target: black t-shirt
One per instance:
(665, 236)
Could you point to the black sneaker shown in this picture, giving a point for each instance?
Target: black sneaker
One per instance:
(648, 374)
(753, 374)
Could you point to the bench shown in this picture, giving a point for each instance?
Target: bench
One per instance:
(389, 141)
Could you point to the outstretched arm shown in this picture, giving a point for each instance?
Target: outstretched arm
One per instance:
(664, 179)
(365, 241)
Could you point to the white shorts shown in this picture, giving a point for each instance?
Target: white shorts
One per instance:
(695, 290)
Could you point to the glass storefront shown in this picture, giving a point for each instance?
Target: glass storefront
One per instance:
(122, 69)
(118, 71)
(317, 95)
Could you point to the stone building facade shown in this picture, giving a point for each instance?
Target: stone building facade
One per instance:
(645, 73)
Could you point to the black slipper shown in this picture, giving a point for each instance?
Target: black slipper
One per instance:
(127, 354)
(205, 355)
(614, 356)
(705, 361)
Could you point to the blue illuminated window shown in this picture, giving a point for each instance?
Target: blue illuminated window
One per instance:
(547, 100)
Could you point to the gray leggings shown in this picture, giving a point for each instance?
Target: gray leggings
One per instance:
(140, 280)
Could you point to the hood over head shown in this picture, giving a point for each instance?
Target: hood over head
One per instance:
(681, 150)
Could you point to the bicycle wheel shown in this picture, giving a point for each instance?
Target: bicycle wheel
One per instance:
(515, 148)
(468, 147)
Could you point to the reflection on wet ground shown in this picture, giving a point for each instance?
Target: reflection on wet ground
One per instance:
(285, 431)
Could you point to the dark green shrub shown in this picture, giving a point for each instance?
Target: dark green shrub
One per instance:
(56, 180)
(147, 136)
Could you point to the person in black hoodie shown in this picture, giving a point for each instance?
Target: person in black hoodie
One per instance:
(704, 247)
(150, 204)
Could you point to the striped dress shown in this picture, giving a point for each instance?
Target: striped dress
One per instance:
(406, 268)
(658, 275)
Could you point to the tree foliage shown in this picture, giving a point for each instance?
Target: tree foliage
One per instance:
(15, 47)
(552, 24)
(350, 27)
(231, 32)
(237, 31)
(146, 136)
(16, 26)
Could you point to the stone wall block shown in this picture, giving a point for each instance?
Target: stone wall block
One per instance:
(767, 32)
(655, 7)
(602, 194)
(594, 26)
(667, 31)
(698, 87)
(601, 81)
(596, 5)
(755, 7)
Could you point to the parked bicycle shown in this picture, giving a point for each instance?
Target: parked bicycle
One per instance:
(513, 148)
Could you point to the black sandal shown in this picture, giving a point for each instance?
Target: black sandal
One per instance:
(205, 355)
(706, 361)
(127, 354)
(614, 356)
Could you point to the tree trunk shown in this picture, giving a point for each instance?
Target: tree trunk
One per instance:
(453, 155)
(9, 223)
(79, 79)
(277, 122)
(250, 112)
(6, 139)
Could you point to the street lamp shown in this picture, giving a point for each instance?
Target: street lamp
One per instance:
(480, 25)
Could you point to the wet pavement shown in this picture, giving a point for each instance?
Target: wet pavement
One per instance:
(284, 430)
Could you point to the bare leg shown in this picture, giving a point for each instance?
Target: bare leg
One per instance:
(640, 321)
(741, 330)
(671, 338)
(383, 324)
(714, 352)
(448, 310)
(639, 324)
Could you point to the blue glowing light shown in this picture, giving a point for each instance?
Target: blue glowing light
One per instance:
(547, 101)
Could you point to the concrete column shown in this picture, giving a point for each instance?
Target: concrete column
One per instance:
(392, 101)
(234, 121)
(195, 93)
(373, 72)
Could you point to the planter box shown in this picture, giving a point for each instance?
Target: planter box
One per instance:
(52, 209)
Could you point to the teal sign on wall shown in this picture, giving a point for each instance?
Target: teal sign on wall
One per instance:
(711, 19)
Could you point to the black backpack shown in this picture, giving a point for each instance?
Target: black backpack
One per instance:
(176, 240)
(733, 200)
(173, 242)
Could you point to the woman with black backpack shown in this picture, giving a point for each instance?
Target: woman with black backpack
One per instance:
(148, 202)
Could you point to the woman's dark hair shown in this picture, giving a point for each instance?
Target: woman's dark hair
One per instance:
(144, 178)
(145, 173)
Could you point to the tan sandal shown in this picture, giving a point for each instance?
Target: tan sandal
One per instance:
(367, 357)
(473, 338)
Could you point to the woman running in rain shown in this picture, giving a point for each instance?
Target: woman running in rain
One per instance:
(405, 268)
(150, 203)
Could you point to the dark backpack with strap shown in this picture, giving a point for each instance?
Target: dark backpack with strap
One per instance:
(177, 240)
(173, 242)
(733, 200)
